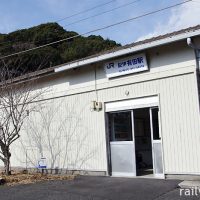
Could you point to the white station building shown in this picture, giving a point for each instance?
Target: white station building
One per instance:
(132, 111)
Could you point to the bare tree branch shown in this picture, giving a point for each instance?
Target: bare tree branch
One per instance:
(15, 100)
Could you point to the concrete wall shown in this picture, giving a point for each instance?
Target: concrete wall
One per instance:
(75, 136)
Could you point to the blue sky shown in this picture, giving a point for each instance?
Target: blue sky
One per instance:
(18, 14)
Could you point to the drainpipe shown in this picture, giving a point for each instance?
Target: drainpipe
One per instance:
(196, 48)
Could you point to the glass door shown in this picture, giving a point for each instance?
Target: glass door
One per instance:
(156, 143)
(122, 146)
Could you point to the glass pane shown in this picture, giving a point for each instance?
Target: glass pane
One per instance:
(122, 158)
(158, 166)
(120, 126)
(155, 121)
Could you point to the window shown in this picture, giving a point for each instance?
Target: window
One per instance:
(120, 126)
(155, 123)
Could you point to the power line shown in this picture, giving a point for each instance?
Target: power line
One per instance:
(84, 19)
(98, 29)
(84, 11)
(101, 13)
(75, 14)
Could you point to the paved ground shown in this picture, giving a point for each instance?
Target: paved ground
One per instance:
(96, 188)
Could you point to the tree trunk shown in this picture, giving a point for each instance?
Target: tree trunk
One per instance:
(7, 163)
(7, 166)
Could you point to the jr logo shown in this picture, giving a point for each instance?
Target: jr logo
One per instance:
(110, 65)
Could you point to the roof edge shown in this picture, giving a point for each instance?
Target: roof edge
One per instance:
(135, 47)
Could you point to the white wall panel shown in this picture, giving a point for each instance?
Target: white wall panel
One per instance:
(179, 116)
(172, 77)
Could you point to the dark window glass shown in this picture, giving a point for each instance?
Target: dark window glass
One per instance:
(120, 126)
(155, 121)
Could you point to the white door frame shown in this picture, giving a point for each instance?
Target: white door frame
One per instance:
(130, 104)
(138, 103)
(124, 145)
(156, 141)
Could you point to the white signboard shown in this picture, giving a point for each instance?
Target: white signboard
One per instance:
(42, 163)
(131, 64)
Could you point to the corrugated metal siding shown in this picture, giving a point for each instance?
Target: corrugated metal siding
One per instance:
(79, 145)
(180, 125)
(179, 116)
(177, 88)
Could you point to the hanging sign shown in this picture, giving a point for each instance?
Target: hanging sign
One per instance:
(131, 64)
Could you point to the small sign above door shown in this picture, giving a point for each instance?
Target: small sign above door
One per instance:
(128, 65)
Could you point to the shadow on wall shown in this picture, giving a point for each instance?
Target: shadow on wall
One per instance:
(56, 132)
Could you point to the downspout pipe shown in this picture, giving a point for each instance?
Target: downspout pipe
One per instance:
(197, 55)
(191, 44)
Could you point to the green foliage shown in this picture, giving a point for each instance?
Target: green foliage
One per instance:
(75, 48)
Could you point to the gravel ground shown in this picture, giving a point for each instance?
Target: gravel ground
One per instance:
(96, 188)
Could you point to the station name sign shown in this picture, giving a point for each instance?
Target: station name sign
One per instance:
(129, 65)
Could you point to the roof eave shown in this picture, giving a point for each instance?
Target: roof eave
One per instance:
(128, 50)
